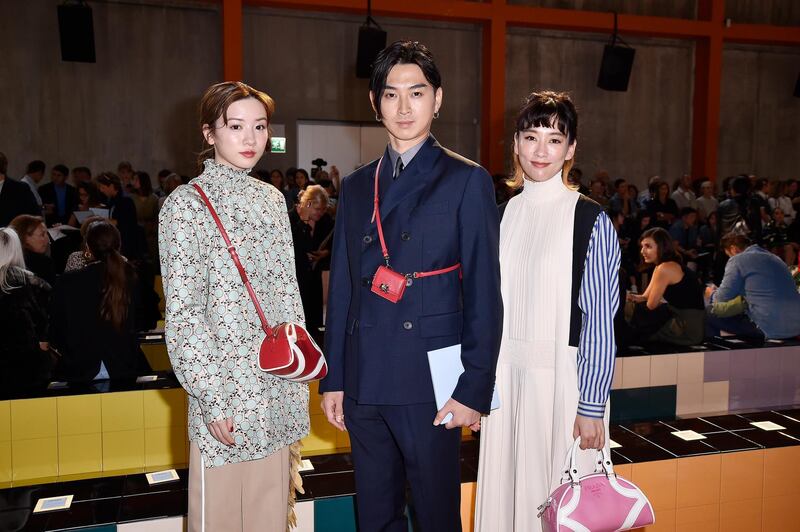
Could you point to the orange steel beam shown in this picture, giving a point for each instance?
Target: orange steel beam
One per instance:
(493, 96)
(762, 34)
(232, 54)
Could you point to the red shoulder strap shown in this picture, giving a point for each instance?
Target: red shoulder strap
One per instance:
(235, 257)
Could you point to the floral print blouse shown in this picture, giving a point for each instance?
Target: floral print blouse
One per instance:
(213, 333)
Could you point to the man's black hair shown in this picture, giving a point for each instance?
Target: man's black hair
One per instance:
(687, 210)
(61, 169)
(35, 166)
(401, 53)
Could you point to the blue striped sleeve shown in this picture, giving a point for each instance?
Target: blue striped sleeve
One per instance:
(598, 300)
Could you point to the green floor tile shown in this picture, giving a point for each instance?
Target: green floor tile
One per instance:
(337, 514)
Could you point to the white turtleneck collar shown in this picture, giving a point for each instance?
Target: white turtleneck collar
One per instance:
(544, 190)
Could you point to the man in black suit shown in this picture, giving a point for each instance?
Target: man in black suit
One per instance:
(15, 197)
(59, 198)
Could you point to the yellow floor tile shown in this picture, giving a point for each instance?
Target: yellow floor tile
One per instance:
(79, 454)
(781, 470)
(665, 522)
(79, 414)
(5, 461)
(322, 436)
(164, 446)
(658, 480)
(123, 450)
(742, 476)
(164, 408)
(314, 399)
(740, 516)
(624, 470)
(342, 439)
(698, 481)
(698, 518)
(157, 357)
(32, 459)
(5, 420)
(33, 419)
(122, 411)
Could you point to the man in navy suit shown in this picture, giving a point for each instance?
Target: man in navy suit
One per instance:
(437, 212)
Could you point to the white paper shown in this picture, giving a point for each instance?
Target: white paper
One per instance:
(49, 504)
(613, 445)
(159, 477)
(688, 435)
(105, 213)
(55, 233)
(146, 378)
(82, 215)
(305, 465)
(446, 368)
(767, 425)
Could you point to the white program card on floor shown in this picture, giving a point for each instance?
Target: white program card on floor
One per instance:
(734, 340)
(146, 378)
(306, 465)
(153, 337)
(159, 477)
(767, 425)
(698, 347)
(51, 504)
(778, 342)
(688, 435)
(613, 445)
(56, 385)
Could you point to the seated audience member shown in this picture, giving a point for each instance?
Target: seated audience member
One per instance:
(170, 183)
(125, 174)
(34, 173)
(706, 203)
(79, 259)
(779, 199)
(146, 203)
(122, 214)
(95, 313)
(764, 282)
(162, 177)
(311, 231)
(15, 198)
(680, 319)
(709, 233)
(35, 243)
(662, 208)
(59, 198)
(575, 178)
(684, 233)
(81, 174)
(777, 240)
(598, 192)
(25, 359)
(683, 195)
(88, 197)
(734, 208)
(622, 201)
(648, 193)
(277, 181)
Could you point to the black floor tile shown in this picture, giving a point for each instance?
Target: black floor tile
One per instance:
(331, 463)
(27, 496)
(767, 439)
(618, 459)
(729, 422)
(696, 424)
(137, 484)
(94, 488)
(679, 447)
(153, 506)
(637, 449)
(84, 514)
(726, 442)
(333, 485)
(22, 519)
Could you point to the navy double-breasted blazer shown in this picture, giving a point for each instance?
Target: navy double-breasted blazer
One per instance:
(439, 212)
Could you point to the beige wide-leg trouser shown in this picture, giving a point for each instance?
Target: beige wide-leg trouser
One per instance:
(248, 496)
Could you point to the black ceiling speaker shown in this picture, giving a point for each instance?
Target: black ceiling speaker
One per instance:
(797, 87)
(371, 40)
(76, 30)
(617, 64)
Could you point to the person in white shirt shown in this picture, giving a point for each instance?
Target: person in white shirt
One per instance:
(33, 175)
(707, 203)
(683, 194)
(779, 199)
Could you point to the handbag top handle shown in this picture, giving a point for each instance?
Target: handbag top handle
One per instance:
(235, 256)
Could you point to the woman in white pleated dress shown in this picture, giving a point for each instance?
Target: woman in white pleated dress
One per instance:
(559, 260)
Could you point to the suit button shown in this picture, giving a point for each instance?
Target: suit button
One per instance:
(407, 325)
(366, 282)
(405, 236)
(367, 239)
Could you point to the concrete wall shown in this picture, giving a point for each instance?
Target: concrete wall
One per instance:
(759, 118)
(307, 62)
(633, 134)
(660, 8)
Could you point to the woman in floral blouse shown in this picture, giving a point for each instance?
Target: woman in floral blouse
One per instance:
(244, 424)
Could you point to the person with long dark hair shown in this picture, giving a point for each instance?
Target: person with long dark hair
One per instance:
(122, 214)
(557, 352)
(35, 244)
(679, 321)
(94, 313)
(244, 423)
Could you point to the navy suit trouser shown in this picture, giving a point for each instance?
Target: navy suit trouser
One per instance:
(395, 444)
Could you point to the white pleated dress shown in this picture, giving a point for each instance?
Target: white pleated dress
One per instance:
(524, 442)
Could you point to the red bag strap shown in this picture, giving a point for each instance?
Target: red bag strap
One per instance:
(376, 216)
(235, 257)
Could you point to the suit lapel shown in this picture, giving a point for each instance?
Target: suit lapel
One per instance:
(413, 179)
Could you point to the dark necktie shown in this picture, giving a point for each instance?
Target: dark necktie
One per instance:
(398, 167)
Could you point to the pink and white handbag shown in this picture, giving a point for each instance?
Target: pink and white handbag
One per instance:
(600, 502)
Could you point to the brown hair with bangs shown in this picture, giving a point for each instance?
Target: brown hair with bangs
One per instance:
(214, 105)
(545, 109)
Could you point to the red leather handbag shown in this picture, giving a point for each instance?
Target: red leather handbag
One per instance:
(287, 351)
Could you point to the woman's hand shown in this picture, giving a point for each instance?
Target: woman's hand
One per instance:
(591, 430)
(636, 298)
(222, 431)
